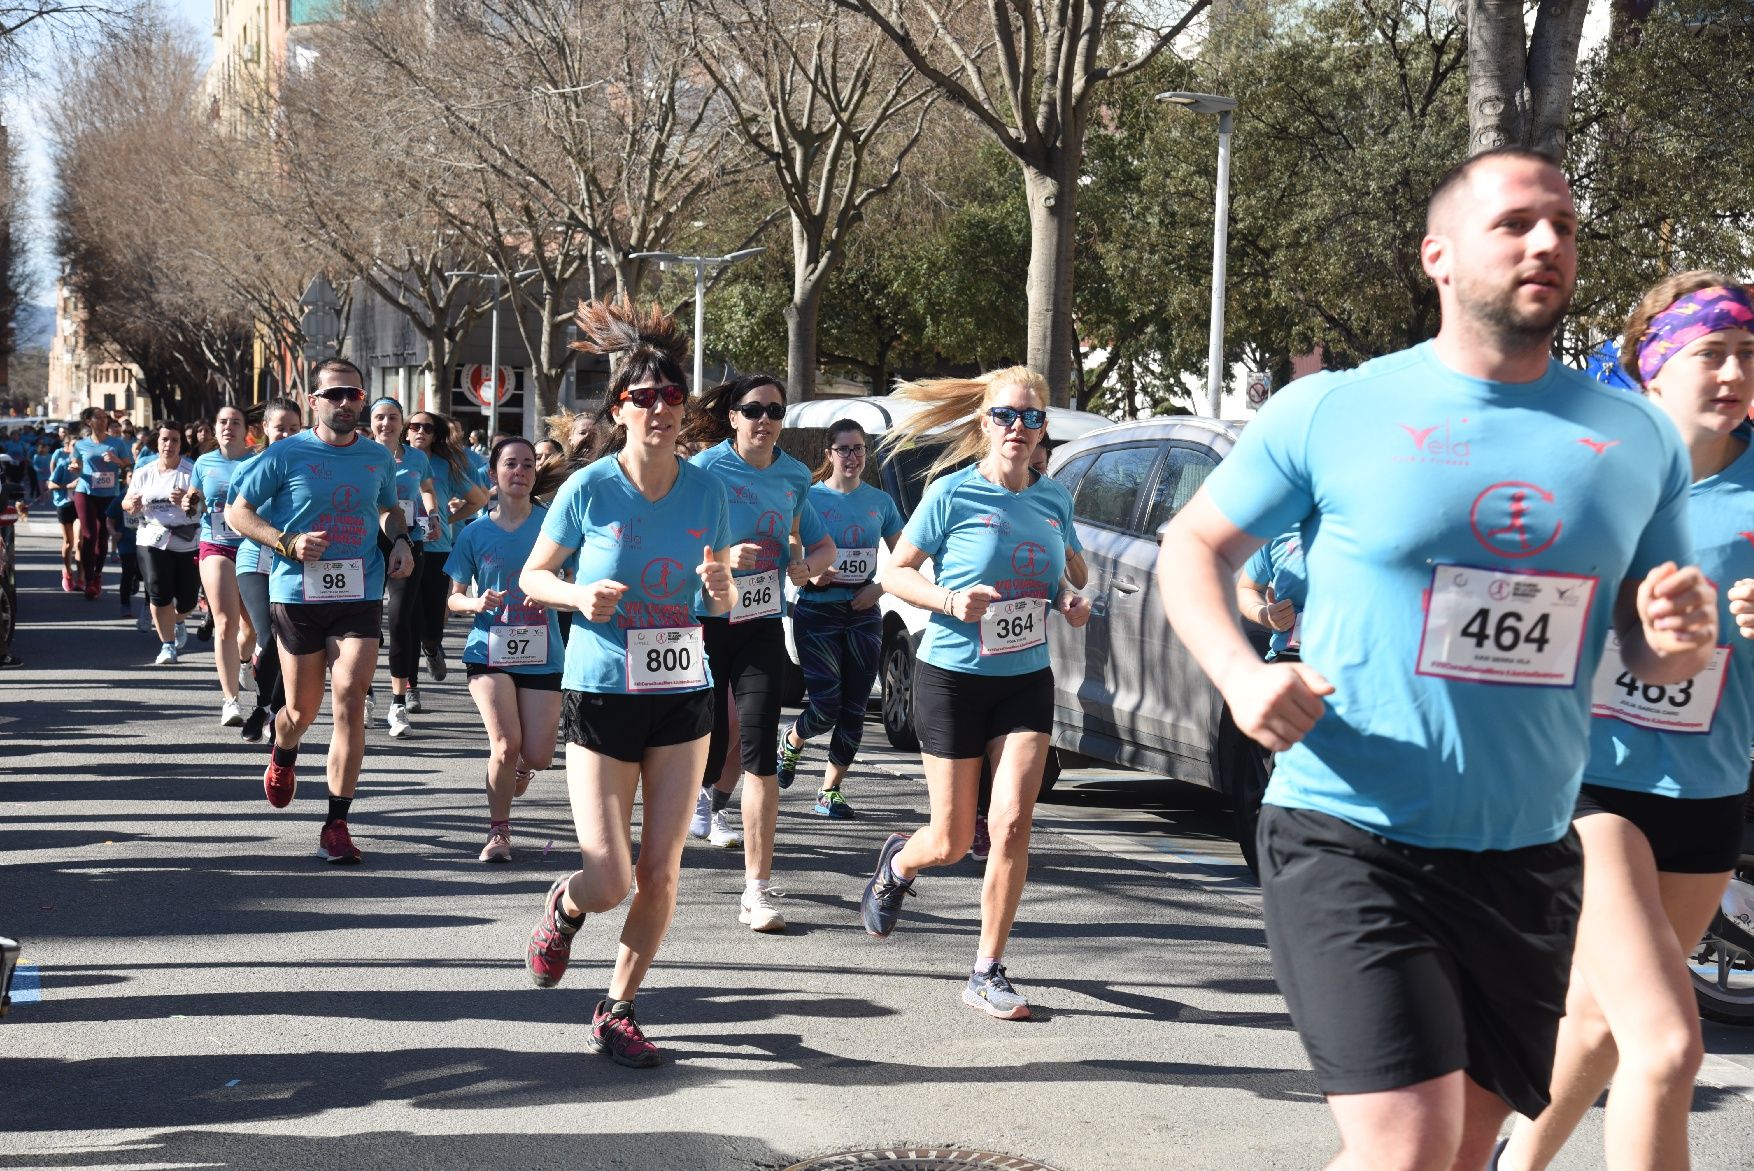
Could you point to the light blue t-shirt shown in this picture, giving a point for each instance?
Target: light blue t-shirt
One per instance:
(1279, 563)
(61, 480)
(858, 520)
(213, 478)
(650, 547)
(446, 487)
(301, 484)
(1628, 747)
(763, 503)
(1460, 717)
(412, 467)
(97, 478)
(492, 558)
(979, 533)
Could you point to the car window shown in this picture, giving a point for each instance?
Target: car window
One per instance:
(1183, 472)
(1074, 471)
(1109, 491)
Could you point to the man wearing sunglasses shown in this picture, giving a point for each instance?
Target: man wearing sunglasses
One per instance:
(317, 500)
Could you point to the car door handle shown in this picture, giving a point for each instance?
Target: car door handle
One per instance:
(1124, 585)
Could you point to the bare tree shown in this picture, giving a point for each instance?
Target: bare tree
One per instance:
(1028, 73)
(834, 110)
(1520, 82)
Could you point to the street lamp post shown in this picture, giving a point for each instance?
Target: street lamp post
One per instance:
(1221, 106)
(493, 345)
(701, 264)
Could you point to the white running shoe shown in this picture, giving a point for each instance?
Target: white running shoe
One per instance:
(398, 721)
(702, 823)
(167, 656)
(371, 707)
(722, 833)
(230, 714)
(412, 696)
(182, 636)
(759, 912)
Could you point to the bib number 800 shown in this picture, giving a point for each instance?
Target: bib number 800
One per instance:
(670, 660)
(1506, 631)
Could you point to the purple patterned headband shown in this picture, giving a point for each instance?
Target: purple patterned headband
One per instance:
(1690, 317)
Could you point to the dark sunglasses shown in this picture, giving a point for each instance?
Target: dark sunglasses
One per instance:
(644, 397)
(1034, 418)
(423, 427)
(774, 411)
(343, 394)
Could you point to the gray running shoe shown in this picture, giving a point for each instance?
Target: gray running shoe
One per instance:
(992, 993)
(883, 894)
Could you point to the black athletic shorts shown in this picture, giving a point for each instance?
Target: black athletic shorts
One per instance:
(66, 513)
(1402, 964)
(171, 577)
(1700, 835)
(958, 712)
(304, 628)
(625, 726)
(523, 680)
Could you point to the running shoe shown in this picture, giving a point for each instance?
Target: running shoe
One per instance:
(182, 635)
(436, 665)
(550, 941)
(702, 823)
(411, 698)
(758, 911)
(881, 903)
(279, 782)
(230, 714)
(498, 847)
(92, 589)
(982, 845)
(830, 804)
(336, 847)
(398, 721)
(67, 583)
(992, 993)
(722, 833)
(522, 778)
(371, 705)
(256, 725)
(167, 655)
(618, 1035)
(204, 631)
(788, 759)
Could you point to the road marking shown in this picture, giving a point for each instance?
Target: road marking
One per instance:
(27, 984)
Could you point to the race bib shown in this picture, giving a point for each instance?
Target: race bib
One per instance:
(103, 481)
(855, 566)
(1491, 626)
(665, 657)
(429, 527)
(755, 596)
(1015, 624)
(408, 518)
(335, 581)
(222, 532)
(1687, 707)
(517, 646)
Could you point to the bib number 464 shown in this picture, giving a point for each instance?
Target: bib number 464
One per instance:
(1506, 630)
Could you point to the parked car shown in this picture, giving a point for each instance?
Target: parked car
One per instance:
(901, 474)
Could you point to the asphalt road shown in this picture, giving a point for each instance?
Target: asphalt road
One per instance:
(201, 991)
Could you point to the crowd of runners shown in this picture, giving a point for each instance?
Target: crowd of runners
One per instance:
(1521, 655)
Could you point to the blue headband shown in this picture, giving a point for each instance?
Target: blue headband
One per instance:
(376, 403)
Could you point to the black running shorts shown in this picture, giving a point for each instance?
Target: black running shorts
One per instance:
(625, 726)
(1403, 964)
(1688, 836)
(958, 713)
(304, 628)
(523, 680)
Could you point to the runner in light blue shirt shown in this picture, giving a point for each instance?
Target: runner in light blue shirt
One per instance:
(418, 502)
(1271, 589)
(233, 636)
(100, 457)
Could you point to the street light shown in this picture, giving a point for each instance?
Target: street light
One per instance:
(1221, 106)
(493, 347)
(701, 264)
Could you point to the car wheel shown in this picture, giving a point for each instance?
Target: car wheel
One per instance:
(1244, 769)
(1722, 969)
(898, 694)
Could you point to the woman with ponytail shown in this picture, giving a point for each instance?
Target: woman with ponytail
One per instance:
(650, 537)
(459, 494)
(415, 497)
(999, 534)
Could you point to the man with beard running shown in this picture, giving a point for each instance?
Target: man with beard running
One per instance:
(1474, 519)
(317, 500)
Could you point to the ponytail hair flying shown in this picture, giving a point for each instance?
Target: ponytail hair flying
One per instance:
(709, 421)
(955, 404)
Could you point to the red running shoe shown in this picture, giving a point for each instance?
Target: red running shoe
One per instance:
(618, 1035)
(280, 782)
(550, 941)
(92, 589)
(335, 845)
(67, 583)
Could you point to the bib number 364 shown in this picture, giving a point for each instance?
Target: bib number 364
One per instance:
(1015, 624)
(1489, 626)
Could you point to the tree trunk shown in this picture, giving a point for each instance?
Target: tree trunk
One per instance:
(438, 368)
(1496, 73)
(1552, 72)
(1053, 199)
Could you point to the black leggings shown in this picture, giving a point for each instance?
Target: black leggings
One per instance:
(170, 577)
(253, 589)
(402, 602)
(748, 660)
(94, 533)
(429, 612)
(130, 584)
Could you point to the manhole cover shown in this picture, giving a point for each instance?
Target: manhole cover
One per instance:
(920, 1159)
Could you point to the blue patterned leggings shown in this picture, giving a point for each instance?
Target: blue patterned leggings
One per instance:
(838, 649)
